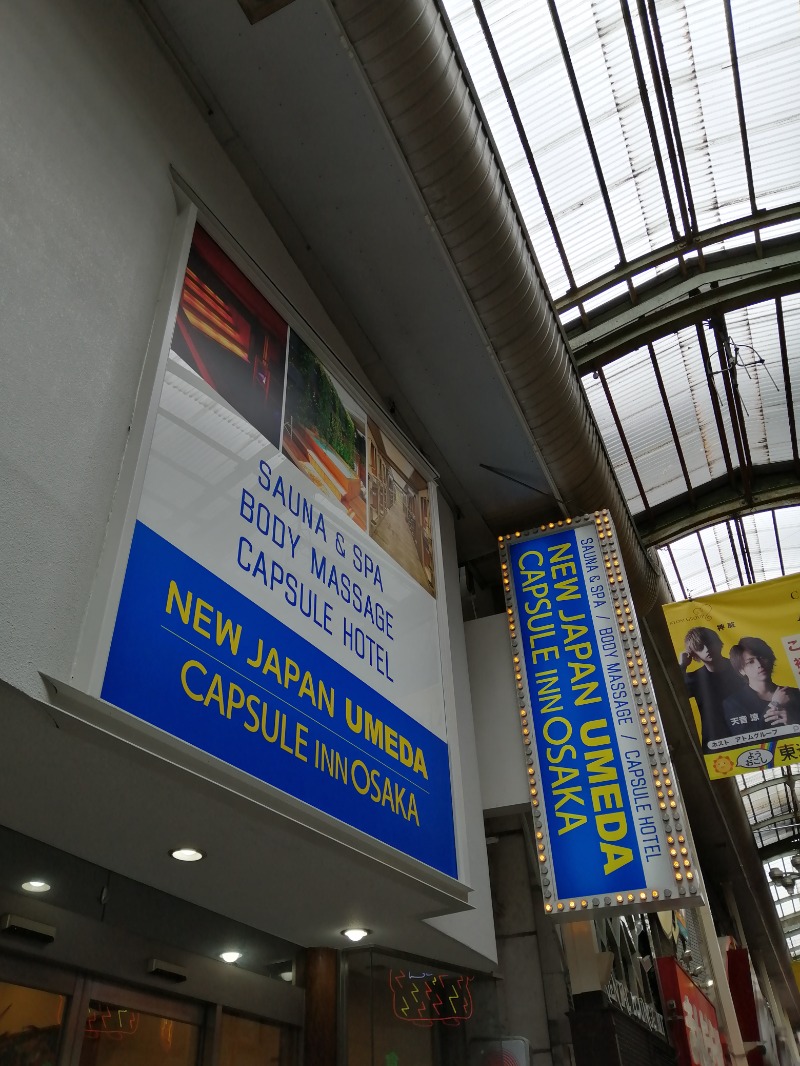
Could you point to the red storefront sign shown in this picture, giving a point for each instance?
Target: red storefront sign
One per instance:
(692, 1018)
(741, 982)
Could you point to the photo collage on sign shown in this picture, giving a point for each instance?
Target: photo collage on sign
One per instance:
(399, 509)
(324, 431)
(230, 335)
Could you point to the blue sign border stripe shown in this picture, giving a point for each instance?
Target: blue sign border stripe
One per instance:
(143, 677)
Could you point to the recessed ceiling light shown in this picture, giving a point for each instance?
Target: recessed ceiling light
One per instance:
(36, 886)
(355, 934)
(187, 854)
(286, 975)
(230, 956)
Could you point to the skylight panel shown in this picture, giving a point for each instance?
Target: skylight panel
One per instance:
(528, 47)
(760, 532)
(634, 177)
(613, 292)
(788, 522)
(766, 552)
(681, 362)
(719, 557)
(741, 240)
(652, 273)
(672, 575)
(634, 389)
(689, 563)
(598, 43)
(613, 442)
(490, 92)
(717, 141)
(769, 58)
(570, 315)
(753, 333)
(781, 229)
(787, 905)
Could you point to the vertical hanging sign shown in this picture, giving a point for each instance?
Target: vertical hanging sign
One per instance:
(610, 831)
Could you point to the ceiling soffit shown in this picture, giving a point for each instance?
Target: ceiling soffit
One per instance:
(320, 159)
(261, 9)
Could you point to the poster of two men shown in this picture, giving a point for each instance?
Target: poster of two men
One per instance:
(740, 656)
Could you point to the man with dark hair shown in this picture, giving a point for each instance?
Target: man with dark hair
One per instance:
(711, 685)
(760, 702)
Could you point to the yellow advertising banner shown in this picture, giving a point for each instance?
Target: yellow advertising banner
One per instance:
(740, 655)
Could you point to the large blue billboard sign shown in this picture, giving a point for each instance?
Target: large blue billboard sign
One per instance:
(232, 680)
(277, 606)
(609, 825)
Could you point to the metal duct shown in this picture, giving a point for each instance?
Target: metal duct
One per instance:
(407, 56)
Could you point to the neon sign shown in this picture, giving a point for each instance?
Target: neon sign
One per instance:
(425, 998)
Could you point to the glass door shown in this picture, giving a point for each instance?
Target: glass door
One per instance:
(31, 1025)
(123, 1027)
(50, 1016)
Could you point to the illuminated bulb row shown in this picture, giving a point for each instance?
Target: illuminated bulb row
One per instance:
(553, 525)
(545, 526)
(648, 719)
(616, 579)
(648, 716)
(679, 853)
(634, 657)
(622, 898)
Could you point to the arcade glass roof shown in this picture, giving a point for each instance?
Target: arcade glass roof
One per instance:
(653, 150)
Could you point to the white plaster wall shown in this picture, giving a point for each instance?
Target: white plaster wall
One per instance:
(476, 927)
(90, 120)
(501, 761)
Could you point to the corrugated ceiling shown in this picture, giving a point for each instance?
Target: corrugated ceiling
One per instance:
(625, 125)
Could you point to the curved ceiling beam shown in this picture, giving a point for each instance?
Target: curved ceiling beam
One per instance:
(404, 50)
(669, 252)
(771, 486)
(729, 281)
